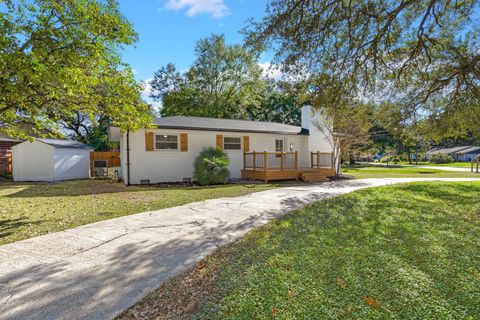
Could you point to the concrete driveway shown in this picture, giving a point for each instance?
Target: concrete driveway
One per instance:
(98, 270)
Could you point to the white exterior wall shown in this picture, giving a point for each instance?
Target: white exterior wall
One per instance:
(317, 140)
(32, 161)
(174, 165)
(71, 163)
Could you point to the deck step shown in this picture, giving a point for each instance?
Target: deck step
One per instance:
(313, 177)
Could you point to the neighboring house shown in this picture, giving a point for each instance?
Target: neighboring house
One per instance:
(462, 154)
(468, 155)
(166, 153)
(50, 160)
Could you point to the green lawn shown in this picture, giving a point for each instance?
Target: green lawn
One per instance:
(399, 252)
(360, 172)
(453, 164)
(29, 209)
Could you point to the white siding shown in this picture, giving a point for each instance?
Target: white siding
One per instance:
(32, 161)
(71, 163)
(172, 165)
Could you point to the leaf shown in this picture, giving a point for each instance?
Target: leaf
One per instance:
(341, 283)
(372, 302)
(274, 311)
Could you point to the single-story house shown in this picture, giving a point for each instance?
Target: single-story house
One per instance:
(50, 160)
(462, 154)
(468, 154)
(257, 150)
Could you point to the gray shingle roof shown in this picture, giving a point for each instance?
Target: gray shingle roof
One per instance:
(472, 150)
(449, 150)
(62, 143)
(213, 124)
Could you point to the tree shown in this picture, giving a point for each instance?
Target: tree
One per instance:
(345, 120)
(421, 54)
(59, 59)
(223, 82)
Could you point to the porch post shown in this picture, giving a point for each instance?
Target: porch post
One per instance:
(254, 161)
(296, 160)
(281, 161)
(318, 160)
(265, 164)
(244, 160)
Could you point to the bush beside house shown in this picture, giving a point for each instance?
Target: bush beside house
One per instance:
(211, 167)
(440, 158)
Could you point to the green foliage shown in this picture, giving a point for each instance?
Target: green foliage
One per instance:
(62, 58)
(211, 167)
(397, 252)
(223, 81)
(420, 55)
(441, 158)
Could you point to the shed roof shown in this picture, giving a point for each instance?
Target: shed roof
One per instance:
(214, 124)
(63, 143)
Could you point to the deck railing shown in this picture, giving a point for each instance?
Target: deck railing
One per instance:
(263, 161)
(321, 160)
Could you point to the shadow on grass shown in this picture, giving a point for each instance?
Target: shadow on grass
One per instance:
(409, 247)
(92, 187)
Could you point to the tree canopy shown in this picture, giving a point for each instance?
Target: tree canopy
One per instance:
(60, 59)
(423, 55)
(223, 81)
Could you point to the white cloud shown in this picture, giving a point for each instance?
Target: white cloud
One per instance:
(216, 8)
(271, 70)
(147, 88)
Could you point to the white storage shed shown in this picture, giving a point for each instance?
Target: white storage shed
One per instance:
(50, 160)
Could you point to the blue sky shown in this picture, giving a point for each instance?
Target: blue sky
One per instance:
(168, 29)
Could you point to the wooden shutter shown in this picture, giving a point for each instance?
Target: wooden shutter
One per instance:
(246, 143)
(220, 141)
(184, 142)
(149, 141)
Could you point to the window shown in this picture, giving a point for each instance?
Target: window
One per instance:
(232, 143)
(166, 142)
(279, 145)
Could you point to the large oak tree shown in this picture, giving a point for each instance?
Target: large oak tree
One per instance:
(59, 59)
(423, 55)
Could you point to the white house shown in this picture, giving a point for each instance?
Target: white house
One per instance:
(462, 154)
(50, 160)
(166, 153)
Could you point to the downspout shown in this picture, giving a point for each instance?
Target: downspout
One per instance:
(128, 157)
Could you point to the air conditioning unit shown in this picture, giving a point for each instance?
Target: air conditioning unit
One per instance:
(100, 168)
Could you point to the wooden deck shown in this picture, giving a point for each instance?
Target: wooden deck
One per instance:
(269, 166)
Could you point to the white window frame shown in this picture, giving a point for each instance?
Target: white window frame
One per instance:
(233, 150)
(165, 134)
(283, 144)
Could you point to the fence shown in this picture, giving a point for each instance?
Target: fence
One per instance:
(321, 160)
(5, 162)
(270, 160)
(112, 158)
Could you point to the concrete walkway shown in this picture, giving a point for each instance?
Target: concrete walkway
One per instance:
(98, 270)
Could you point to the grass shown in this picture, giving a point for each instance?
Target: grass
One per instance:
(452, 164)
(399, 252)
(32, 209)
(360, 172)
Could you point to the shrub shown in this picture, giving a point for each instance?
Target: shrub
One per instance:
(211, 167)
(441, 158)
